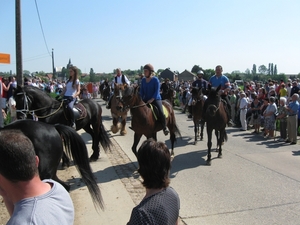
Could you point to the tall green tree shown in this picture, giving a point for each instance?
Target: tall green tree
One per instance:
(275, 70)
(253, 71)
(263, 69)
(92, 76)
(196, 68)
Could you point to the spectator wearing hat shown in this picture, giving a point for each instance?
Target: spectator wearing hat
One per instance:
(150, 93)
(292, 120)
(269, 114)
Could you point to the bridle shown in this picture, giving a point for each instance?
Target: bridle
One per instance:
(129, 106)
(26, 110)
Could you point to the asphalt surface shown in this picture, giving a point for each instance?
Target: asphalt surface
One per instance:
(256, 182)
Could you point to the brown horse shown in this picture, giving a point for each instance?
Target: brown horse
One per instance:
(143, 121)
(116, 113)
(197, 110)
(216, 119)
(169, 95)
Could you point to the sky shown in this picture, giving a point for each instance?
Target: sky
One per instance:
(127, 34)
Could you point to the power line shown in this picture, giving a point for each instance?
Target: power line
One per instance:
(37, 9)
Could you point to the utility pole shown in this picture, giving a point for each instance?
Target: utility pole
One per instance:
(53, 68)
(19, 65)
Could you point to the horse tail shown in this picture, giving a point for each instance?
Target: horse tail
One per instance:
(75, 146)
(104, 138)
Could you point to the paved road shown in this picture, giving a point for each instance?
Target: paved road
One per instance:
(256, 182)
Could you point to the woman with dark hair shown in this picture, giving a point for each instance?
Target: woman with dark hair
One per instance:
(161, 203)
(71, 91)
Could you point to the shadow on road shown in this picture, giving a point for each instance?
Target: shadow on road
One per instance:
(187, 161)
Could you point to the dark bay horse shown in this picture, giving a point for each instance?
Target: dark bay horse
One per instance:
(197, 110)
(216, 119)
(49, 142)
(143, 121)
(33, 101)
(106, 93)
(116, 113)
(169, 95)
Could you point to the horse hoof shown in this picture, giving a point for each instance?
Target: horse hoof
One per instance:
(220, 156)
(93, 159)
(124, 132)
(172, 153)
(114, 129)
(208, 162)
(195, 143)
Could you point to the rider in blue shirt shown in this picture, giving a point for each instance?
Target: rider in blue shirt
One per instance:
(220, 79)
(150, 93)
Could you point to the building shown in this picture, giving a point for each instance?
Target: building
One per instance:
(167, 73)
(186, 75)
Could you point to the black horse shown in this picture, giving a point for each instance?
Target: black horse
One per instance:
(216, 119)
(31, 101)
(49, 142)
(197, 111)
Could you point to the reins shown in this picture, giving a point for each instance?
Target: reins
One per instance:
(26, 110)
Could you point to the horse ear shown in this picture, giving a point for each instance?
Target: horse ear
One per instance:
(219, 87)
(209, 86)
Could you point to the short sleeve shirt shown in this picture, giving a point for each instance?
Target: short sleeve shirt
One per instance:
(160, 208)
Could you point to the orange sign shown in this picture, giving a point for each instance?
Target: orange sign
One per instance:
(4, 58)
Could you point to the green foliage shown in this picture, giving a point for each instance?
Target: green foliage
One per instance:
(196, 68)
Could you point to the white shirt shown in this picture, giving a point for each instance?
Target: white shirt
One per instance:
(243, 103)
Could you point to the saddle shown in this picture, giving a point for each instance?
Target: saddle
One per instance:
(155, 111)
(79, 111)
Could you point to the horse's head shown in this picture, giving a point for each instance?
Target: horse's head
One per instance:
(213, 92)
(196, 94)
(213, 100)
(128, 96)
(23, 102)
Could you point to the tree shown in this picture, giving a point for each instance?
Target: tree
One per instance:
(262, 69)
(253, 70)
(247, 71)
(196, 68)
(275, 69)
(92, 76)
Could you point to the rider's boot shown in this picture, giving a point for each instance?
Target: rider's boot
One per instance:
(108, 106)
(71, 116)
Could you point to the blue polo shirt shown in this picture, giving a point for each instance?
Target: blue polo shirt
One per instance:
(294, 106)
(216, 81)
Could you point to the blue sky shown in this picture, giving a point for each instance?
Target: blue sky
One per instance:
(176, 34)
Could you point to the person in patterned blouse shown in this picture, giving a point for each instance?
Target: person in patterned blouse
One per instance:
(161, 203)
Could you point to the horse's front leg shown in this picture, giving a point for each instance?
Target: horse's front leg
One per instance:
(220, 142)
(202, 128)
(137, 138)
(114, 127)
(209, 143)
(196, 130)
(123, 125)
